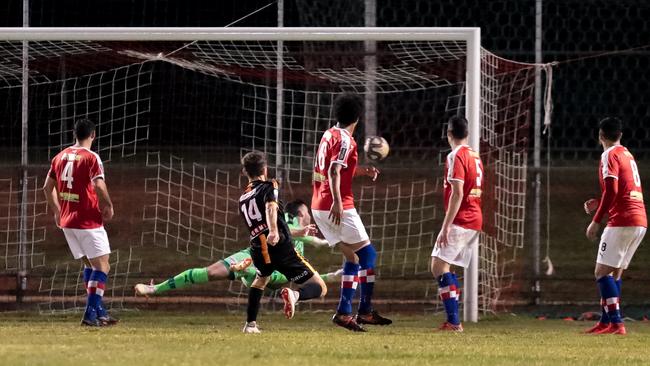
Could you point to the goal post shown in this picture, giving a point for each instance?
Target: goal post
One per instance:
(274, 88)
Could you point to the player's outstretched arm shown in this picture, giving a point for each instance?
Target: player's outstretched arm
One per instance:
(301, 232)
(104, 199)
(452, 210)
(49, 188)
(272, 222)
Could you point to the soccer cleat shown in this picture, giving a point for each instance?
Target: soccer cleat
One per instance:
(373, 318)
(290, 298)
(599, 328)
(107, 320)
(240, 266)
(617, 328)
(251, 328)
(447, 326)
(90, 320)
(144, 290)
(348, 322)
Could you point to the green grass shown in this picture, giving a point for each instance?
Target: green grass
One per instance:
(163, 338)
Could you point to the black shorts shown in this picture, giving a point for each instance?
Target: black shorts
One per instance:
(283, 258)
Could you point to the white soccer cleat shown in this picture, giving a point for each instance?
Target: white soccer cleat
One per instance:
(251, 328)
(144, 290)
(290, 297)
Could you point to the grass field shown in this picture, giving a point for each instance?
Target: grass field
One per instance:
(163, 338)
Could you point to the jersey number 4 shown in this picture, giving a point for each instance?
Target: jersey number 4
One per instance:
(67, 174)
(252, 213)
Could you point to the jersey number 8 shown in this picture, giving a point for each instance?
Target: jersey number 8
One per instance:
(635, 173)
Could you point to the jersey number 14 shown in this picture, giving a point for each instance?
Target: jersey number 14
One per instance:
(252, 213)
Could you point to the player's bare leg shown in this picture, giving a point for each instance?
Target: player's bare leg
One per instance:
(254, 298)
(441, 271)
(312, 288)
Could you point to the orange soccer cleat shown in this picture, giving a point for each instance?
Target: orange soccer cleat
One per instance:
(617, 328)
(447, 326)
(599, 328)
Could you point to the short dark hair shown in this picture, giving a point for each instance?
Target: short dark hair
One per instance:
(292, 207)
(611, 128)
(348, 108)
(458, 127)
(83, 128)
(254, 163)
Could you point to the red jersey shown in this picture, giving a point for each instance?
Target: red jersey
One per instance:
(74, 169)
(628, 208)
(337, 146)
(464, 164)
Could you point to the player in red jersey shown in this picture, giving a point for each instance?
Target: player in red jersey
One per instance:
(333, 211)
(463, 218)
(75, 190)
(622, 201)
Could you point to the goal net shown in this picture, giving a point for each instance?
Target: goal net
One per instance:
(174, 117)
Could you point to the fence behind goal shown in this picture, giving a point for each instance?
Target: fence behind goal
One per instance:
(174, 118)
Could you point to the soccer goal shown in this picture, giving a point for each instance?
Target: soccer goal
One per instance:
(177, 107)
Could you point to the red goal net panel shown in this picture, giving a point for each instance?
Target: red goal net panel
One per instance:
(174, 118)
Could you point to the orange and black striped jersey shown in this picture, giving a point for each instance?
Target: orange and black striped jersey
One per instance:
(252, 208)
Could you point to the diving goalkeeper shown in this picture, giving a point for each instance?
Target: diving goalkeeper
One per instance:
(238, 266)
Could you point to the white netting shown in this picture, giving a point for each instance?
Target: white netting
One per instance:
(117, 101)
(11, 194)
(402, 219)
(11, 59)
(64, 289)
(195, 208)
(308, 113)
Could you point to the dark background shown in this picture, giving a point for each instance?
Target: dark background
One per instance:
(584, 90)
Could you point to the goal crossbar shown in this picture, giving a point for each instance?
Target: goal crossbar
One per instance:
(236, 34)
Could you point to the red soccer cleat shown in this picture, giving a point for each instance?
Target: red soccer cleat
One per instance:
(617, 328)
(446, 326)
(599, 328)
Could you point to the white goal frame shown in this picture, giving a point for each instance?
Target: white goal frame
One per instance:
(472, 37)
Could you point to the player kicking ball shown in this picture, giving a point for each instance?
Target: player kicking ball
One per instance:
(271, 248)
(463, 218)
(75, 190)
(622, 201)
(238, 265)
(333, 208)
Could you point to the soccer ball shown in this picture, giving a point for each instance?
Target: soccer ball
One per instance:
(376, 148)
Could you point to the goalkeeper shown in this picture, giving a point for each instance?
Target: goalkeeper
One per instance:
(238, 265)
